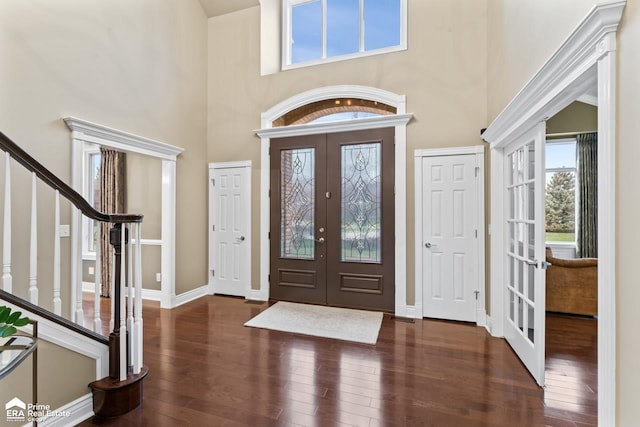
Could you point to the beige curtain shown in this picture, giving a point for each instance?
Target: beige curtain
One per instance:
(112, 200)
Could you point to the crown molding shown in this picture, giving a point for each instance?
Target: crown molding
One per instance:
(574, 61)
(119, 140)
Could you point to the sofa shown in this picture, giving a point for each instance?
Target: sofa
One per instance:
(572, 285)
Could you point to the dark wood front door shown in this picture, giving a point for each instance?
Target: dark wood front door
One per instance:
(332, 219)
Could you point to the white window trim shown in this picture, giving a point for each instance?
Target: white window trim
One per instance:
(287, 5)
(575, 190)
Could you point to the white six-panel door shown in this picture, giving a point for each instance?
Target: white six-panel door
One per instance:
(449, 237)
(230, 222)
(525, 258)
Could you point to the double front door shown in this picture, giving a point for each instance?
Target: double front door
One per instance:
(332, 219)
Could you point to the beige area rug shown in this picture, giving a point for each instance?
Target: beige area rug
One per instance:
(320, 321)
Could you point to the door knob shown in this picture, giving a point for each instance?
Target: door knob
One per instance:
(427, 245)
(241, 238)
(320, 240)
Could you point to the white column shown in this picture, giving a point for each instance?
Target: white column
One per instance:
(33, 245)
(123, 320)
(168, 234)
(57, 302)
(137, 355)
(131, 338)
(6, 237)
(607, 230)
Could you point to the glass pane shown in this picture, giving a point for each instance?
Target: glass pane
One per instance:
(521, 267)
(381, 23)
(361, 202)
(532, 237)
(531, 169)
(531, 201)
(560, 155)
(560, 207)
(306, 32)
(530, 323)
(520, 314)
(532, 284)
(297, 203)
(343, 27)
(512, 303)
(94, 197)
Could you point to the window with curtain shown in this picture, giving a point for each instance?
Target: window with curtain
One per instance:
(560, 191)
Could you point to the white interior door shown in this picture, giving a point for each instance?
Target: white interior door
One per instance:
(230, 217)
(449, 240)
(525, 262)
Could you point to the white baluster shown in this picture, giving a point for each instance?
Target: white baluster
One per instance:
(112, 285)
(130, 296)
(137, 359)
(6, 239)
(97, 321)
(33, 247)
(123, 320)
(57, 302)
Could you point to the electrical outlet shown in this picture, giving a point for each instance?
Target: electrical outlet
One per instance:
(64, 230)
(158, 277)
(91, 271)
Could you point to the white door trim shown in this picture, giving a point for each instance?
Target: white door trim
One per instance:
(228, 165)
(587, 56)
(478, 151)
(399, 121)
(85, 132)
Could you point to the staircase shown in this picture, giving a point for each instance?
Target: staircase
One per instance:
(121, 390)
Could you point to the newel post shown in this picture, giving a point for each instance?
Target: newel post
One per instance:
(115, 239)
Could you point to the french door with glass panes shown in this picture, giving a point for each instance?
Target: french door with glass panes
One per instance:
(332, 219)
(525, 258)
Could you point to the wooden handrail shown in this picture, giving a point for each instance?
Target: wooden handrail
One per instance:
(45, 314)
(56, 183)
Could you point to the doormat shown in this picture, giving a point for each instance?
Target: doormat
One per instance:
(320, 321)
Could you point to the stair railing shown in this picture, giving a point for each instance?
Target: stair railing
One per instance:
(125, 339)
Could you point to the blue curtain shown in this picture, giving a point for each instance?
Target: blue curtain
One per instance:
(587, 165)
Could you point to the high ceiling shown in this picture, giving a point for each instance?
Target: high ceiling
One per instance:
(220, 7)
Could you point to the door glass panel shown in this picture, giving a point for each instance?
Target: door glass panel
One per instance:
(361, 192)
(297, 203)
(531, 323)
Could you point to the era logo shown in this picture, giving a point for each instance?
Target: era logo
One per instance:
(15, 409)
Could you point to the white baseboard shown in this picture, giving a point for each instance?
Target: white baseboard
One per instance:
(481, 318)
(487, 324)
(189, 296)
(78, 411)
(149, 294)
(410, 312)
(257, 295)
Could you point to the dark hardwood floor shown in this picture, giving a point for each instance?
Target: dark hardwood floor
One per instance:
(207, 369)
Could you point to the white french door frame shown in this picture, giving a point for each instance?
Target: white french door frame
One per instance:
(478, 152)
(398, 121)
(243, 164)
(585, 59)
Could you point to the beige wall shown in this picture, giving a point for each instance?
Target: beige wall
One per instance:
(63, 376)
(575, 117)
(135, 65)
(522, 35)
(443, 75)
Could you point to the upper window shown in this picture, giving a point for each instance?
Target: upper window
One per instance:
(317, 31)
(560, 194)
